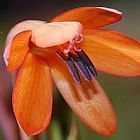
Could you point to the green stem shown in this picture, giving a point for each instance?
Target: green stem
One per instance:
(74, 131)
(55, 132)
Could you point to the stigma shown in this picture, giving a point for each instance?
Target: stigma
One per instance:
(77, 61)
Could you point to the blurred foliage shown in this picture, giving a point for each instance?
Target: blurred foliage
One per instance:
(123, 92)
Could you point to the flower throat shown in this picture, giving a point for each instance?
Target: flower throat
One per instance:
(76, 59)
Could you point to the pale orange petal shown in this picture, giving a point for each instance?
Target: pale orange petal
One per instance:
(19, 49)
(55, 33)
(90, 17)
(113, 52)
(20, 27)
(87, 100)
(32, 96)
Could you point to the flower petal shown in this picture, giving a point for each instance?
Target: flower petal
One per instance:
(90, 17)
(113, 52)
(19, 49)
(20, 27)
(87, 100)
(55, 33)
(23, 26)
(32, 95)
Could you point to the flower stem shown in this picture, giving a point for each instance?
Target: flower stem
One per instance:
(55, 132)
(74, 131)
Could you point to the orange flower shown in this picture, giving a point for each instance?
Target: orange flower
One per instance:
(64, 50)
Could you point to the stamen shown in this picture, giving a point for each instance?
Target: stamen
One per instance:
(79, 38)
(75, 58)
(71, 66)
(82, 67)
(72, 43)
(87, 62)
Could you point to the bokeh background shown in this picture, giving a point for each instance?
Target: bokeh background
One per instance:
(123, 92)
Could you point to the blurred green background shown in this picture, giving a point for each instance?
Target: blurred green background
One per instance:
(123, 92)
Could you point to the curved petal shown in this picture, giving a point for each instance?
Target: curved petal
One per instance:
(87, 100)
(113, 52)
(32, 96)
(55, 33)
(19, 49)
(20, 27)
(90, 17)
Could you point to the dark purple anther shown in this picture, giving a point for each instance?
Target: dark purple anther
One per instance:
(71, 66)
(87, 62)
(81, 61)
(82, 67)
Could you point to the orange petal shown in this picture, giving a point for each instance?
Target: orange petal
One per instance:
(87, 100)
(52, 34)
(32, 97)
(90, 17)
(20, 27)
(19, 49)
(23, 26)
(113, 52)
